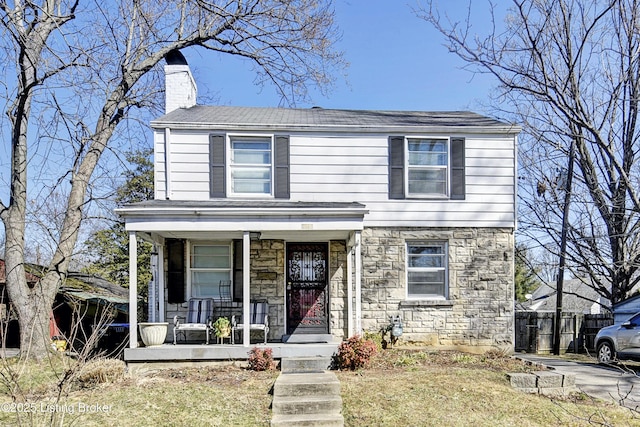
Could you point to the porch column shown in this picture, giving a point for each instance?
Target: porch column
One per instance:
(350, 253)
(246, 280)
(133, 290)
(160, 283)
(358, 263)
(152, 305)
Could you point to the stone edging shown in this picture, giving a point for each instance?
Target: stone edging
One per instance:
(547, 383)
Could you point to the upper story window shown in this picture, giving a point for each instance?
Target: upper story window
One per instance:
(427, 166)
(427, 270)
(250, 165)
(423, 167)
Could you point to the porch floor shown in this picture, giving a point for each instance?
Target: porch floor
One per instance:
(223, 352)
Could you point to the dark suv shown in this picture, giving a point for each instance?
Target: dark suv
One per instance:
(619, 341)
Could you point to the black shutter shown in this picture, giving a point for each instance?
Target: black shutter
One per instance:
(457, 169)
(175, 270)
(237, 270)
(281, 185)
(396, 167)
(217, 175)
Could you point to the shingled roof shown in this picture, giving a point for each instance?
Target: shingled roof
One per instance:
(327, 119)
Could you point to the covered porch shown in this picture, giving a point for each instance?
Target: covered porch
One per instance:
(260, 236)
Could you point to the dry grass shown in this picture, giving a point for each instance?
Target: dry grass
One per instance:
(413, 388)
(401, 388)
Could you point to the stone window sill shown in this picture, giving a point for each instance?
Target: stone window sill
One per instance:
(426, 303)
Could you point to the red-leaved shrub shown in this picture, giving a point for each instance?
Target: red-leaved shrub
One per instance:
(261, 359)
(354, 353)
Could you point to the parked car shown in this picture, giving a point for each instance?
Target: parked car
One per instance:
(619, 341)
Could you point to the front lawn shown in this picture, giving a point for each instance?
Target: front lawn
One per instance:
(402, 387)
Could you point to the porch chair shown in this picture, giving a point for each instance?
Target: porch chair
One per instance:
(258, 320)
(224, 303)
(199, 318)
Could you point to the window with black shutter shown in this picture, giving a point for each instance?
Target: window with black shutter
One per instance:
(217, 162)
(396, 167)
(281, 167)
(458, 180)
(423, 167)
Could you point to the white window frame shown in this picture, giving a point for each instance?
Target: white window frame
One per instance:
(191, 270)
(446, 167)
(231, 166)
(444, 269)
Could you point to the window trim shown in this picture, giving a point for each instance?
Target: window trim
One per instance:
(230, 165)
(447, 167)
(445, 249)
(190, 269)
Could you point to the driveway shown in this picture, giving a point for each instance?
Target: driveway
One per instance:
(612, 382)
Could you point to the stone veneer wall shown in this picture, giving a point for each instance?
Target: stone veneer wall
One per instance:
(478, 314)
(267, 281)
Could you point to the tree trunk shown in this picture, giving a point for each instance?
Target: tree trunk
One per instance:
(32, 305)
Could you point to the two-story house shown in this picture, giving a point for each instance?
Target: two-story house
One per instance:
(337, 218)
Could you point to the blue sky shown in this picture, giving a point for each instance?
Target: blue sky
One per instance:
(397, 62)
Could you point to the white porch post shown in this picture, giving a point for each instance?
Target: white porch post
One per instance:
(133, 290)
(152, 305)
(246, 280)
(350, 325)
(160, 283)
(358, 263)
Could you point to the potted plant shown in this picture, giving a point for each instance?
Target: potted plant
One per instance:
(222, 327)
(153, 333)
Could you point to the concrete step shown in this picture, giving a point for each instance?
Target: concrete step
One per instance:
(310, 384)
(314, 420)
(306, 405)
(293, 365)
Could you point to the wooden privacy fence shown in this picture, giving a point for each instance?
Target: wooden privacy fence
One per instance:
(534, 331)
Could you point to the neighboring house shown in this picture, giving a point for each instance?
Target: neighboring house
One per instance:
(578, 297)
(624, 310)
(81, 298)
(337, 218)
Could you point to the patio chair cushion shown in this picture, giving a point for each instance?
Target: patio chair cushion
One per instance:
(200, 311)
(199, 318)
(258, 319)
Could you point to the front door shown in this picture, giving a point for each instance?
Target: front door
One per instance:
(307, 296)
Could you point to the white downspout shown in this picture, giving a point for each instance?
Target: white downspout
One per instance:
(133, 290)
(246, 280)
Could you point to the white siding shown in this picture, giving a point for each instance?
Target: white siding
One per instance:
(189, 171)
(324, 169)
(354, 168)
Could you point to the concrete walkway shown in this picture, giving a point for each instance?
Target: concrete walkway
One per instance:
(612, 383)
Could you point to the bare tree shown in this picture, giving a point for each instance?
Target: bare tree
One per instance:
(79, 68)
(569, 71)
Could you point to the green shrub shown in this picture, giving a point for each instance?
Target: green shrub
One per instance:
(261, 359)
(354, 353)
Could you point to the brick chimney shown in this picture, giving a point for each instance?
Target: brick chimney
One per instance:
(180, 87)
